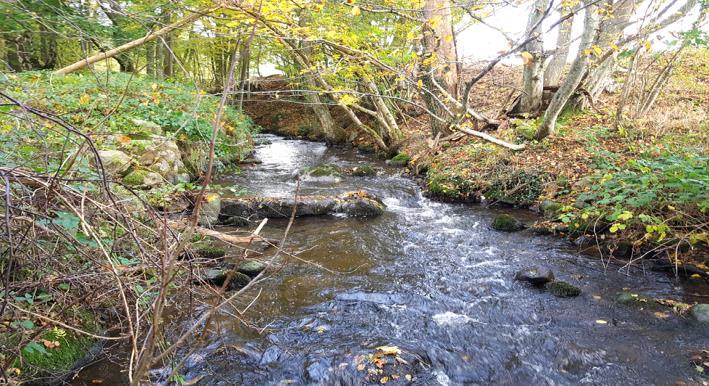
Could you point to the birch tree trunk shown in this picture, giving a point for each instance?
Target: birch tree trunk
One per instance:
(439, 61)
(576, 73)
(555, 68)
(610, 31)
(533, 73)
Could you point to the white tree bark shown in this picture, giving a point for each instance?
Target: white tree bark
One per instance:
(533, 73)
(576, 73)
(555, 68)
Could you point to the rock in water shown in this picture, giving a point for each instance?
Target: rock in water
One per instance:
(701, 312)
(507, 223)
(537, 276)
(217, 277)
(363, 171)
(354, 204)
(251, 268)
(563, 289)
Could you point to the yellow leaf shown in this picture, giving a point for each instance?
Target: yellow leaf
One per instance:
(389, 350)
(419, 83)
(356, 11)
(84, 99)
(614, 47)
(527, 58)
(601, 321)
(361, 367)
(648, 45)
(384, 380)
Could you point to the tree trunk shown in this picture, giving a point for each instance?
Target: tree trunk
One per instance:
(135, 43)
(610, 31)
(150, 59)
(573, 79)
(555, 68)
(167, 59)
(533, 73)
(439, 61)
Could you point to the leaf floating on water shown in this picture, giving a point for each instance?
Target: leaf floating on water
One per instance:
(601, 321)
(408, 377)
(384, 380)
(361, 367)
(389, 350)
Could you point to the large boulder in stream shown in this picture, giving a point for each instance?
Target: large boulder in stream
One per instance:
(506, 223)
(354, 204)
(535, 275)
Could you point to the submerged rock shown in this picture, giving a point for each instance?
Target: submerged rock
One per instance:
(324, 172)
(700, 312)
(506, 223)
(217, 277)
(355, 204)
(562, 289)
(537, 276)
(363, 171)
(251, 268)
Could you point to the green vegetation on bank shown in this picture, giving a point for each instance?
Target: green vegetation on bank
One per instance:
(119, 111)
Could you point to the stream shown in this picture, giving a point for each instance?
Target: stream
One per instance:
(435, 281)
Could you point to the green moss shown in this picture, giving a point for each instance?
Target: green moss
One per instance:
(324, 171)
(550, 209)
(135, 178)
(401, 159)
(209, 251)
(563, 289)
(505, 222)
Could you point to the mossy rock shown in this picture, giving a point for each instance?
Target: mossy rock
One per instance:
(208, 251)
(453, 188)
(363, 171)
(324, 171)
(400, 160)
(366, 148)
(56, 362)
(251, 268)
(550, 209)
(143, 178)
(506, 223)
(563, 289)
(135, 178)
(217, 277)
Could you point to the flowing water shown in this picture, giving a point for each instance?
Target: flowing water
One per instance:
(435, 281)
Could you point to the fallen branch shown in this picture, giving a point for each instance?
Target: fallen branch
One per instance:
(136, 43)
(492, 139)
(179, 225)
